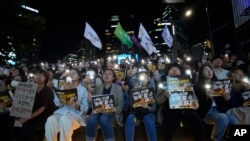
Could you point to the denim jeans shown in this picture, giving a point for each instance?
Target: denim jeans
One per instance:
(149, 123)
(172, 119)
(105, 120)
(220, 122)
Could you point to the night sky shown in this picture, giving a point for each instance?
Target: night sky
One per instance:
(65, 21)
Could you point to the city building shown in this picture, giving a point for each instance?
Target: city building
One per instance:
(241, 13)
(18, 44)
(171, 18)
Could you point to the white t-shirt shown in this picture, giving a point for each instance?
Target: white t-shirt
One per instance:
(221, 74)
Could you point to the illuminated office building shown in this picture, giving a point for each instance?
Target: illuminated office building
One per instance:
(241, 13)
(171, 17)
(10, 44)
(113, 44)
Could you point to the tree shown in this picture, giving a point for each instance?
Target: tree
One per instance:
(20, 28)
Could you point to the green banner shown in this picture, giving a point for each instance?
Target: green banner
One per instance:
(123, 36)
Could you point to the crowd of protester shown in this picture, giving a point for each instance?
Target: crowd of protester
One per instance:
(57, 117)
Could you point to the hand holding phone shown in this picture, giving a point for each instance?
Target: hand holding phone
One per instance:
(91, 75)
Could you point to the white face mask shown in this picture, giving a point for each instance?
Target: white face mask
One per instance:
(14, 83)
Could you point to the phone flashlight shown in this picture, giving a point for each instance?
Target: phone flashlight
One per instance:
(207, 86)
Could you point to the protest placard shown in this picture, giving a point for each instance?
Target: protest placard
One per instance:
(23, 99)
(66, 95)
(181, 92)
(103, 103)
(246, 97)
(141, 97)
(221, 87)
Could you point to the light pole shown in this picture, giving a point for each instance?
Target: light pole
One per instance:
(209, 29)
(189, 13)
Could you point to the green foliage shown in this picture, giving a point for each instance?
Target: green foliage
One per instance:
(20, 27)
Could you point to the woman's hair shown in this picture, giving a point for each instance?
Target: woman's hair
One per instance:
(200, 77)
(45, 73)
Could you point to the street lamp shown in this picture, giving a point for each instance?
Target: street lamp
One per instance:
(189, 13)
(209, 29)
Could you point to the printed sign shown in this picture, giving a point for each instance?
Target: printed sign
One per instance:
(66, 95)
(103, 103)
(246, 98)
(181, 92)
(141, 97)
(221, 87)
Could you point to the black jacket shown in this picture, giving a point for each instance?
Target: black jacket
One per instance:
(206, 103)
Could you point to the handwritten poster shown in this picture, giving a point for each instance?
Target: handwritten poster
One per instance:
(23, 100)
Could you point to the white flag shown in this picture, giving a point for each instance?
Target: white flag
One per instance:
(148, 46)
(143, 33)
(146, 41)
(167, 37)
(91, 35)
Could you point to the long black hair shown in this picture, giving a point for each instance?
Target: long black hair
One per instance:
(200, 78)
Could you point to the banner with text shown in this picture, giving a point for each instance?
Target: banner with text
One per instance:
(23, 101)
